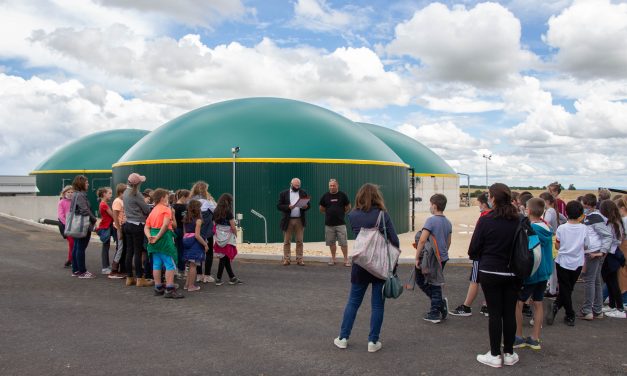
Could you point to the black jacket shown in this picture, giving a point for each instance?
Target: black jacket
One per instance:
(492, 243)
(284, 207)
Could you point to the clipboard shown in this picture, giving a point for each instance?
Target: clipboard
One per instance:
(302, 202)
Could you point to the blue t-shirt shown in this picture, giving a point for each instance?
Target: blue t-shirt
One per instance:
(440, 227)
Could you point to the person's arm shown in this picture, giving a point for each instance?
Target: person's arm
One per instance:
(162, 230)
(605, 234)
(147, 233)
(282, 205)
(476, 242)
(143, 206)
(449, 239)
(233, 228)
(347, 208)
(109, 211)
(199, 237)
(83, 208)
(174, 224)
(323, 209)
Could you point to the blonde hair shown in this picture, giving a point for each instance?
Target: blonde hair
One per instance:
(368, 196)
(65, 189)
(200, 188)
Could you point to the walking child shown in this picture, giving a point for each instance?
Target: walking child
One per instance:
(441, 229)
(225, 245)
(535, 284)
(194, 245)
(571, 241)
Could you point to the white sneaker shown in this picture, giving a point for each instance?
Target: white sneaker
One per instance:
(199, 278)
(616, 314)
(374, 347)
(106, 271)
(490, 360)
(510, 359)
(607, 309)
(209, 279)
(341, 343)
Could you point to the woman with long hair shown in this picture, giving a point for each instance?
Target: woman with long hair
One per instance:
(80, 186)
(368, 204)
(491, 244)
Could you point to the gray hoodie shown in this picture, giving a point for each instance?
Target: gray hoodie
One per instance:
(135, 208)
(599, 233)
(430, 265)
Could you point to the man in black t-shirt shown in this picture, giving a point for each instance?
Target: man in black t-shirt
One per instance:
(335, 204)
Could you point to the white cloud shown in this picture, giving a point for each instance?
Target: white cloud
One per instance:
(480, 46)
(460, 104)
(346, 77)
(591, 38)
(318, 15)
(445, 138)
(38, 116)
(205, 13)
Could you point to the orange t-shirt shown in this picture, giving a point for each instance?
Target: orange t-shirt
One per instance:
(157, 215)
(118, 205)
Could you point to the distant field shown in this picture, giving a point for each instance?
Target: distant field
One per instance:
(566, 195)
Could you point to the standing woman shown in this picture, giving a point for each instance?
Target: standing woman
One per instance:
(491, 244)
(80, 185)
(368, 204)
(65, 202)
(136, 211)
(200, 192)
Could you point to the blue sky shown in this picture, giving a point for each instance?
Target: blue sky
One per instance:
(541, 85)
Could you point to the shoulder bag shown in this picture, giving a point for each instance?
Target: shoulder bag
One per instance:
(76, 225)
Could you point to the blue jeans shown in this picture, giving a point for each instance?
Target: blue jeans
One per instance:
(78, 254)
(433, 292)
(354, 301)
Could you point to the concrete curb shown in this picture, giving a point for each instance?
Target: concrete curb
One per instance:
(242, 256)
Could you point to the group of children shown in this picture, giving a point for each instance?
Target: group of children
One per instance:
(179, 232)
(584, 237)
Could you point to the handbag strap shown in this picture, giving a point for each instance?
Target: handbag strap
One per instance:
(74, 203)
(387, 244)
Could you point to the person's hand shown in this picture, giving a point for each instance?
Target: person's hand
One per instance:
(206, 248)
(291, 207)
(152, 239)
(418, 263)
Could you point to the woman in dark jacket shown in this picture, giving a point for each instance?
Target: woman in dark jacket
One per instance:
(80, 186)
(368, 204)
(492, 243)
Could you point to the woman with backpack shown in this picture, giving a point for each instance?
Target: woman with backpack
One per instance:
(368, 204)
(491, 244)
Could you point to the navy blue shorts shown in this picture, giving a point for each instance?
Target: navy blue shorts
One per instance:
(535, 291)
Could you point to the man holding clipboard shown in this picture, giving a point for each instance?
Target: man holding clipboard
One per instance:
(293, 203)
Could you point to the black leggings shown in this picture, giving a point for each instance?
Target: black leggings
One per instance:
(613, 290)
(501, 294)
(208, 259)
(566, 280)
(134, 239)
(225, 262)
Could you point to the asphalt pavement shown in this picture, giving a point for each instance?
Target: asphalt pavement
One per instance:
(282, 321)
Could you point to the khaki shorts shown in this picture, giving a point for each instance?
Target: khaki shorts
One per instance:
(334, 234)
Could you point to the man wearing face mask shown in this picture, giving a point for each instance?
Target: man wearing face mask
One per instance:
(293, 221)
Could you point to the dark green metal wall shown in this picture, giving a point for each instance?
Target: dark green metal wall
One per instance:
(258, 186)
(52, 184)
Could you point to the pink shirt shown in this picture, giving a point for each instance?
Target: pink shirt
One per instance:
(63, 208)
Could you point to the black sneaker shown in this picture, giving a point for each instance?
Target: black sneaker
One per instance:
(173, 294)
(444, 309)
(527, 312)
(551, 313)
(67, 264)
(484, 311)
(235, 281)
(570, 321)
(432, 317)
(462, 310)
(159, 291)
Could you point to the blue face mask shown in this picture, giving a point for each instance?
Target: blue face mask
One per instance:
(586, 211)
(490, 204)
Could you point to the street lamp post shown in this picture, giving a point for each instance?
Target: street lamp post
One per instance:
(234, 151)
(487, 157)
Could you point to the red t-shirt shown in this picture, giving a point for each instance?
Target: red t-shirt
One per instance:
(560, 205)
(106, 220)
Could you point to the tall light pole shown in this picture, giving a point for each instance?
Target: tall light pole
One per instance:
(234, 150)
(487, 157)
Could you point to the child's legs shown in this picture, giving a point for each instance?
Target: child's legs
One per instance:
(106, 246)
(519, 317)
(436, 299)
(226, 261)
(553, 281)
(593, 266)
(613, 289)
(220, 267)
(422, 283)
(538, 317)
(471, 295)
(191, 275)
(70, 243)
(597, 306)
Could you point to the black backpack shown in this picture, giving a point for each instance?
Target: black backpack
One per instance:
(521, 259)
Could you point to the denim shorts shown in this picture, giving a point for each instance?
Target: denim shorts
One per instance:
(535, 291)
(159, 260)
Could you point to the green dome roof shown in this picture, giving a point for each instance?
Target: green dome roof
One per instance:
(93, 153)
(422, 159)
(264, 128)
